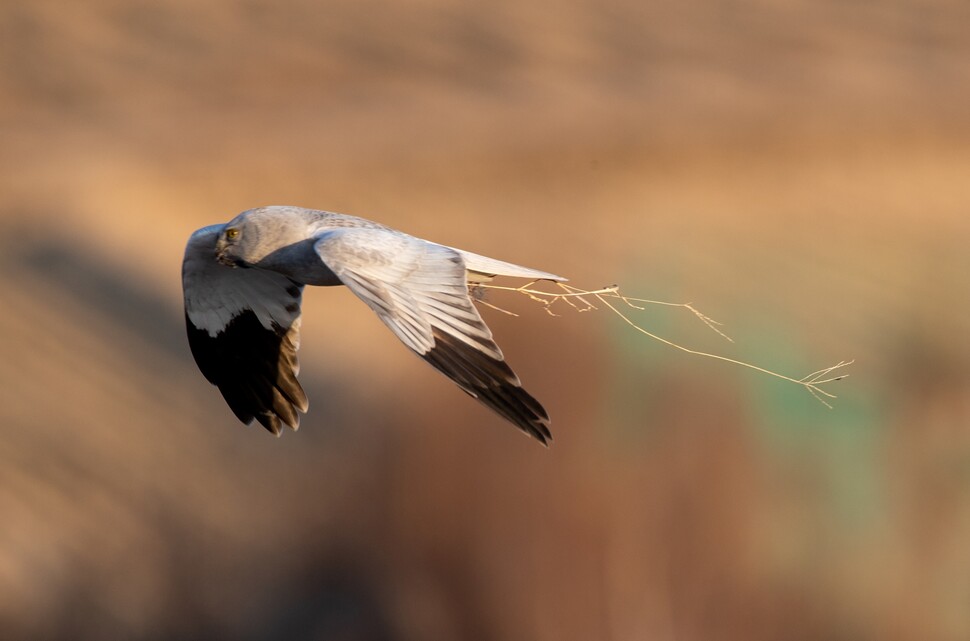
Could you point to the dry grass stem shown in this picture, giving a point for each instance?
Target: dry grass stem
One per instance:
(581, 300)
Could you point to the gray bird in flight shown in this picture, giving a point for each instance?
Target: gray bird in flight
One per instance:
(243, 282)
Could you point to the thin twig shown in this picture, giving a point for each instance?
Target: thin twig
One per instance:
(576, 298)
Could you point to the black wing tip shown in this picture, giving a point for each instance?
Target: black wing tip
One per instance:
(534, 425)
(491, 382)
(542, 434)
(271, 422)
(274, 424)
(273, 412)
(254, 369)
(513, 403)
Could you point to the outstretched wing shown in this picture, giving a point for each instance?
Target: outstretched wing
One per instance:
(244, 331)
(420, 291)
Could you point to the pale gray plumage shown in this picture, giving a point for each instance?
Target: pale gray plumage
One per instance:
(243, 282)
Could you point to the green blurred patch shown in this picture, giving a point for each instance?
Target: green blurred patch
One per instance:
(843, 445)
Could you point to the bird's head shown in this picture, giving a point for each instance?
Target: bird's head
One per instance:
(247, 239)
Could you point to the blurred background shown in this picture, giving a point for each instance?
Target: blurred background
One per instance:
(799, 170)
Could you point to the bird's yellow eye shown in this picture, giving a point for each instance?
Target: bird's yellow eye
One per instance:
(232, 233)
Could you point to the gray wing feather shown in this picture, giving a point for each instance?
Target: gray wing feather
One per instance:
(420, 291)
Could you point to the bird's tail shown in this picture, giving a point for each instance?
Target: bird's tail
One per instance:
(482, 269)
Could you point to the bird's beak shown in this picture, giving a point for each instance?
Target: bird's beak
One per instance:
(225, 260)
(222, 256)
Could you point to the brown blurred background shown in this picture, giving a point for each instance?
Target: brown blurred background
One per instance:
(798, 170)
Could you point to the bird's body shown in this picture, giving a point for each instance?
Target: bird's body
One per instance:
(243, 283)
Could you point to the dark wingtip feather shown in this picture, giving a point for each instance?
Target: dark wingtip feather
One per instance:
(271, 422)
(254, 369)
(490, 381)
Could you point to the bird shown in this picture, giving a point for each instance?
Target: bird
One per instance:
(243, 284)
